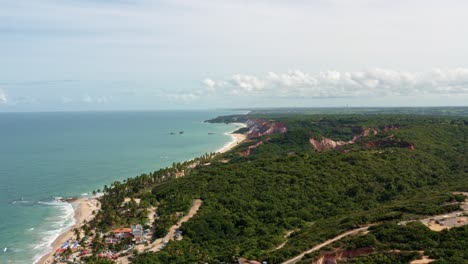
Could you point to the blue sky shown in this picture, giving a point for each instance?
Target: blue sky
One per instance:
(113, 55)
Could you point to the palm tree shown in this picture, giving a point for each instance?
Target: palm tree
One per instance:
(77, 233)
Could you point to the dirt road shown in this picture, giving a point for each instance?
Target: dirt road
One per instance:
(326, 243)
(156, 245)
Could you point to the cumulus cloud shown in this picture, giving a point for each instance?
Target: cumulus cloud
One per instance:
(209, 84)
(247, 83)
(373, 82)
(3, 97)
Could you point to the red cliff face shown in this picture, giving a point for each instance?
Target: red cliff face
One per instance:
(329, 144)
(260, 127)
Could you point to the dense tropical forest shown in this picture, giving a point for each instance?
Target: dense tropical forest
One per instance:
(385, 168)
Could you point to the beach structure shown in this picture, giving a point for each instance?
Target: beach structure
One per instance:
(137, 232)
(122, 233)
(178, 234)
(112, 240)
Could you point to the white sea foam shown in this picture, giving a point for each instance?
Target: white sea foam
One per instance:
(58, 224)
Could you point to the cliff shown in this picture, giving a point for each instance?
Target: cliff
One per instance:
(328, 144)
(261, 127)
(258, 128)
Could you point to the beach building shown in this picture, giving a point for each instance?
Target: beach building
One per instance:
(137, 232)
(122, 233)
(178, 234)
(112, 240)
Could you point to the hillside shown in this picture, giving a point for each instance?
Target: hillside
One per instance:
(285, 178)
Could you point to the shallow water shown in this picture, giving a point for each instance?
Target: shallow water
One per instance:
(44, 156)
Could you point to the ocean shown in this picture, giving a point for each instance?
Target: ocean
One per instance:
(45, 156)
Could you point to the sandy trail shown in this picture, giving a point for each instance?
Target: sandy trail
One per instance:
(156, 245)
(286, 241)
(326, 243)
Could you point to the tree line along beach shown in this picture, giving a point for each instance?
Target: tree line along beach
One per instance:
(85, 208)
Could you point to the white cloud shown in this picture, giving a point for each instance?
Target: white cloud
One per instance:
(3, 97)
(210, 85)
(373, 82)
(247, 83)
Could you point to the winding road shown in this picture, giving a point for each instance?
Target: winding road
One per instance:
(156, 245)
(326, 243)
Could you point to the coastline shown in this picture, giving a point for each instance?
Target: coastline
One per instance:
(236, 138)
(83, 211)
(84, 207)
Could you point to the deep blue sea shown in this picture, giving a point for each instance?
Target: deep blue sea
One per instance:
(44, 156)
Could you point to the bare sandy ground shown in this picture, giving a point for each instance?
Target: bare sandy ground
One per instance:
(424, 260)
(83, 212)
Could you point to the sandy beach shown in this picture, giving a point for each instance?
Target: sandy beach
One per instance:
(84, 208)
(236, 139)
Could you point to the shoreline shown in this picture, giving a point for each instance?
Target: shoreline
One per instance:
(84, 206)
(83, 211)
(235, 138)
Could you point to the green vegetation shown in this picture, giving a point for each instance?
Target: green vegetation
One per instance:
(96, 260)
(447, 246)
(250, 202)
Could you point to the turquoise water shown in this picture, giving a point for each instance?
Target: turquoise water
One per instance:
(48, 155)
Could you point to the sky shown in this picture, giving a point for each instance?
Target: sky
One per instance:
(75, 55)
